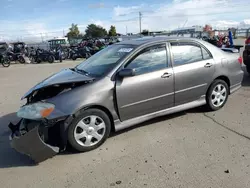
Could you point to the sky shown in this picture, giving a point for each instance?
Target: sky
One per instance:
(37, 19)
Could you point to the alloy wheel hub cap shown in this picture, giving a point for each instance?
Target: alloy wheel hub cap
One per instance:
(90, 130)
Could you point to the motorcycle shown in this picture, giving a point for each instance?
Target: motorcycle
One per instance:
(16, 57)
(71, 52)
(42, 55)
(81, 52)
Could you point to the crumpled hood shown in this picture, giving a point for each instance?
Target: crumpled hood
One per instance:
(62, 77)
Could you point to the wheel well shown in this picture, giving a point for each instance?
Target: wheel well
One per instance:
(106, 111)
(224, 78)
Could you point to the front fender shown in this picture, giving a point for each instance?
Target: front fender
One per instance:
(100, 93)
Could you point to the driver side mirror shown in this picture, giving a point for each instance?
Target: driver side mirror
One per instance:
(126, 72)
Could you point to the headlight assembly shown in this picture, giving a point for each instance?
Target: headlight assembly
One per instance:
(36, 111)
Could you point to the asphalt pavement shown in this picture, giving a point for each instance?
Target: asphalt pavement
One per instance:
(193, 149)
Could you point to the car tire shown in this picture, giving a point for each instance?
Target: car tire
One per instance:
(51, 59)
(248, 68)
(217, 95)
(89, 130)
(245, 57)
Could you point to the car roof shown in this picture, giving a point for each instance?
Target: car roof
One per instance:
(146, 40)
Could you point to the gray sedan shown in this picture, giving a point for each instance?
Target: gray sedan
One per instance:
(120, 86)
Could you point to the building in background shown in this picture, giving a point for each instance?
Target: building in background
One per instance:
(185, 30)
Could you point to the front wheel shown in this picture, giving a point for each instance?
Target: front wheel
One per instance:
(217, 95)
(6, 63)
(89, 130)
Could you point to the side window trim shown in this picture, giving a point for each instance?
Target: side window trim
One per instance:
(210, 55)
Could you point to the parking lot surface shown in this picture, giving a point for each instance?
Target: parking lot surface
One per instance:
(193, 149)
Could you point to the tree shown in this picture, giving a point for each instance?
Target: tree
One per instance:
(95, 31)
(73, 31)
(112, 31)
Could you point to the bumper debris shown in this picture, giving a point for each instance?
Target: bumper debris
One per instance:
(31, 144)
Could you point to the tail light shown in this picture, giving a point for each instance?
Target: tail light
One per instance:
(240, 60)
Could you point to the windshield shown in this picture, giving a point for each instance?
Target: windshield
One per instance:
(105, 60)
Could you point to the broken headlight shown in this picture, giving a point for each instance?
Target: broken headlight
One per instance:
(36, 111)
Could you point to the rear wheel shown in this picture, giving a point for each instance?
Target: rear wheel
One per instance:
(89, 130)
(217, 95)
(248, 68)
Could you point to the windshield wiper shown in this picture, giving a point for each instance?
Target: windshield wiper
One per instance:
(82, 71)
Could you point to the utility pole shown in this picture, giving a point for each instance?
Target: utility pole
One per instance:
(41, 36)
(140, 15)
(126, 30)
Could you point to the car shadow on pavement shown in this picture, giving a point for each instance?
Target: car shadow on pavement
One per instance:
(149, 122)
(9, 157)
(70, 151)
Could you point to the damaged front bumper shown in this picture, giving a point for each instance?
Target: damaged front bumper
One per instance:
(30, 142)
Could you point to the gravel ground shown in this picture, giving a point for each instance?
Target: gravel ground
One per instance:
(189, 149)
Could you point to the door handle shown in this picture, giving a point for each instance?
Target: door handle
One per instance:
(166, 75)
(208, 65)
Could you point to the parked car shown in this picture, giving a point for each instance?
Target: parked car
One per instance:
(124, 84)
(246, 54)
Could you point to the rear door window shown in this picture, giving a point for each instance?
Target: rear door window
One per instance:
(186, 53)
